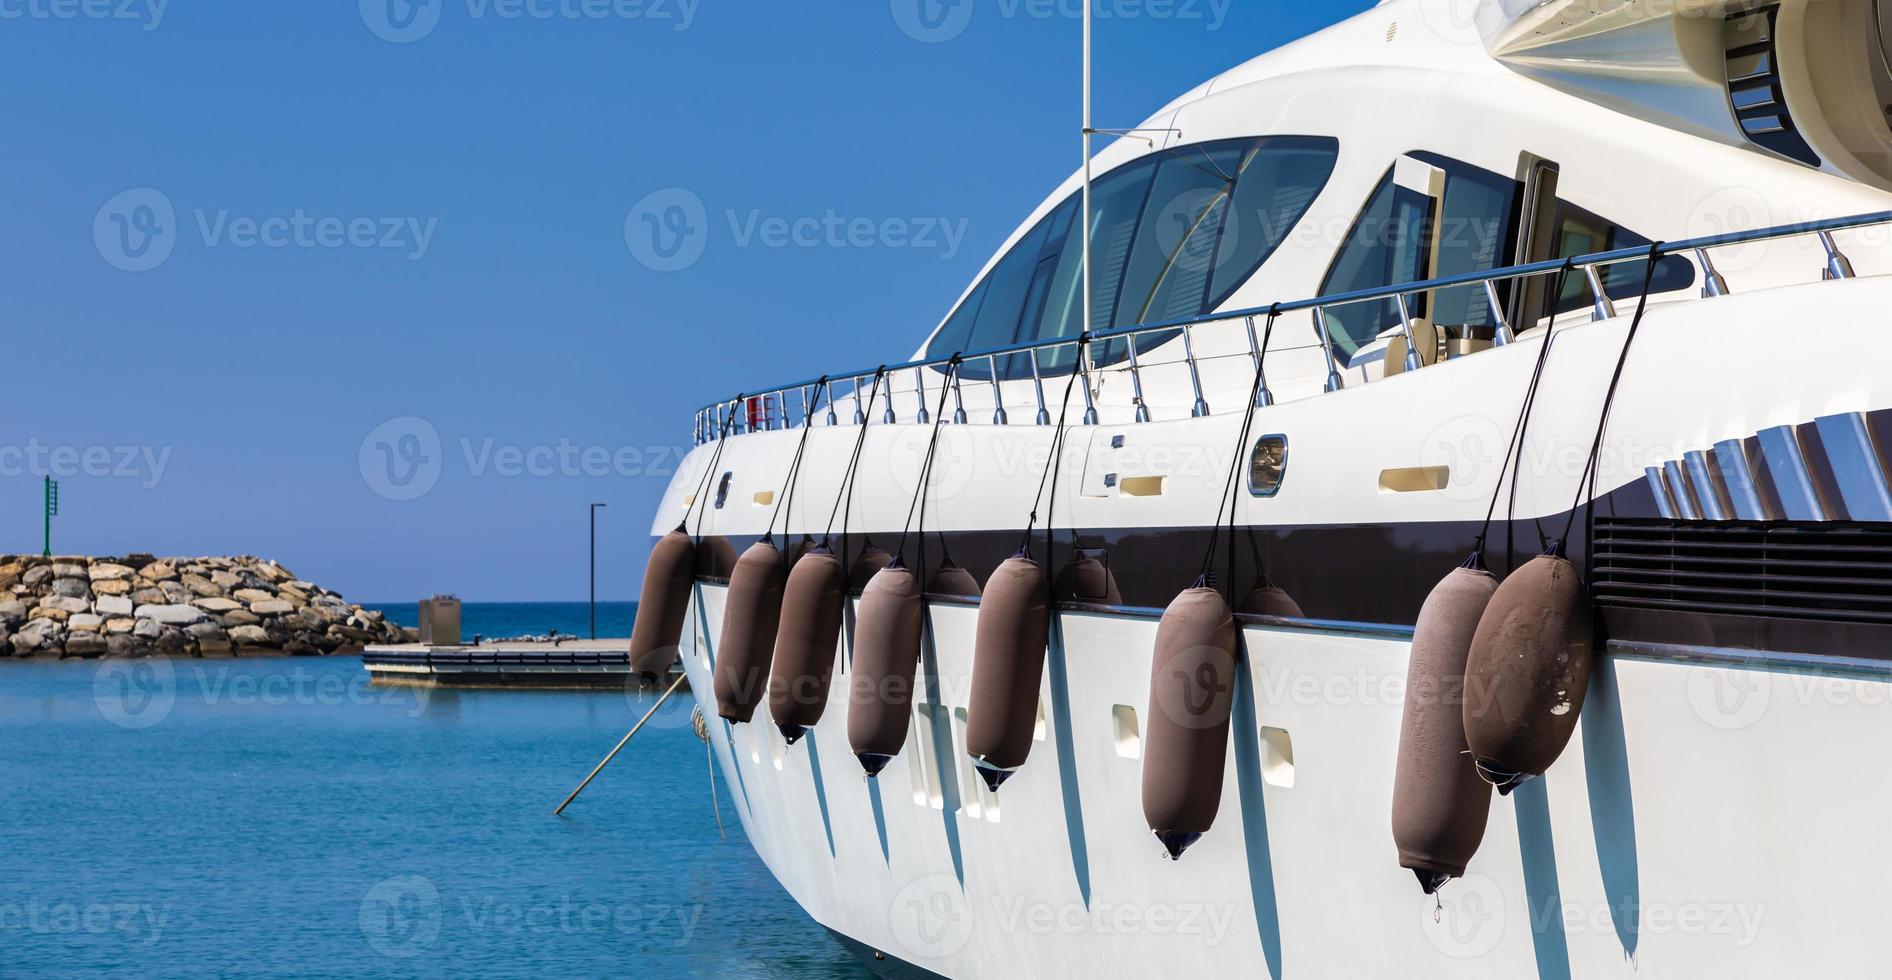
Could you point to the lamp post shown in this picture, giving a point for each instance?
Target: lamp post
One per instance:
(594, 570)
(52, 511)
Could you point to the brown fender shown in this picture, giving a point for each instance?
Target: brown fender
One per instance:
(1087, 579)
(1186, 730)
(952, 580)
(1008, 663)
(1267, 599)
(662, 605)
(886, 657)
(866, 565)
(1439, 801)
(1528, 671)
(752, 611)
(805, 645)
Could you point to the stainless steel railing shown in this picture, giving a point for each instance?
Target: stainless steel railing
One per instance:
(768, 409)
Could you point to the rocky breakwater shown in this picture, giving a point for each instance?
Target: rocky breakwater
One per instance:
(144, 606)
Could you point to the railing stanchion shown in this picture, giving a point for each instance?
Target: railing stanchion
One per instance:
(833, 419)
(1201, 407)
(1713, 284)
(1038, 382)
(888, 417)
(1083, 368)
(1503, 333)
(1413, 360)
(1838, 266)
(1136, 381)
(998, 395)
(959, 401)
(919, 391)
(1605, 307)
(807, 414)
(860, 406)
(1263, 397)
(1333, 382)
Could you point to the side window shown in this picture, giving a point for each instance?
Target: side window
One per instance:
(1392, 243)
(1172, 236)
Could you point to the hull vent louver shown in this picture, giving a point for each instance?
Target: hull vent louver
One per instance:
(1800, 571)
(1754, 87)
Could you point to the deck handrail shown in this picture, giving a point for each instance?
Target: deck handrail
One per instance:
(1838, 266)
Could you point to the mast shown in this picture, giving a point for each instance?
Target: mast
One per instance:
(1087, 179)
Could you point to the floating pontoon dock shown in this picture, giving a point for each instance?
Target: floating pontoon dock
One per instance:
(570, 664)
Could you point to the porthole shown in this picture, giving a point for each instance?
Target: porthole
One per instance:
(722, 489)
(1267, 465)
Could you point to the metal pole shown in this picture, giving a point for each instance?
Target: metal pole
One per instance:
(594, 569)
(626, 740)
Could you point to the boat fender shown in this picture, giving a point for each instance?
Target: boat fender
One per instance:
(866, 565)
(1439, 802)
(1087, 579)
(752, 610)
(886, 656)
(805, 645)
(1186, 731)
(1008, 664)
(1528, 671)
(663, 604)
(952, 580)
(1267, 599)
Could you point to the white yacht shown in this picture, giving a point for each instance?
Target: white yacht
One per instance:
(1358, 309)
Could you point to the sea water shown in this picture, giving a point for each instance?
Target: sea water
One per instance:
(284, 817)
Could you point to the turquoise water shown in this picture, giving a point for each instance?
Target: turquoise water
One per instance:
(281, 817)
(500, 619)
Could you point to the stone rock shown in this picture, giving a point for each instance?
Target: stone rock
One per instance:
(172, 615)
(217, 604)
(115, 586)
(148, 597)
(12, 613)
(148, 629)
(271, 607)
(274, 572)
(65, 604)
(174, 642)
(76, 588)
(125, 645)
(211, 640)
(110, 571)
(122, 624)
(250, 636)
(114, 605)
(86, 645)
(239, 617)
(88, 622)
(68, 568)
(225, 580)
(253, 595)
(47, 612)
(10, 574)
(37, 575)
(289, 590)
(200, 585)
(177, 593)
(157, 571)
(36, 635)
(138, 559)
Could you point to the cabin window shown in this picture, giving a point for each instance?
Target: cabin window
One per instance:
(1173, 235)
(1393, 242)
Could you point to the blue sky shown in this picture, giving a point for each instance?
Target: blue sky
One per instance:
(261, 257)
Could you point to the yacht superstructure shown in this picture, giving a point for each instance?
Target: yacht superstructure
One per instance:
(1358, 308)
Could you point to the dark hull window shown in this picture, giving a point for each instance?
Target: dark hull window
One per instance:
(1172, 236)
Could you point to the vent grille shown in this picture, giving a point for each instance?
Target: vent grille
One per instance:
(1754, 90)
(1825, 572)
